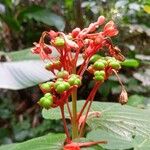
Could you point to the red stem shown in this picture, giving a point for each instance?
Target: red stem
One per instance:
(87, 144)
(88, 109)
(86, 102)
(65, 124)
(68, 107)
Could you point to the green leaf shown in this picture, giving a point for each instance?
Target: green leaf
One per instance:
(147, 8)
(113, 142)
(24, 69)
(47, 142)
(121, 120)
(43, 15)
(11, 22)
(133, 63)
(136, 100)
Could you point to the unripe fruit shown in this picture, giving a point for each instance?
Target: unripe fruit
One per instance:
(58, 82)
(77, 82)
(99, 73)
(45, 87)
(99, 78)
(115, 65)
(98, 65)
(63, 74)
(67, 85)
(59, 41)
(48, 95)
(45, 102)
(71, 80)
(94, 58)
(103, 61)
(61, 88)
(49, 66)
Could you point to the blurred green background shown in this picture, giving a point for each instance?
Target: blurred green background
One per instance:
(21, 24)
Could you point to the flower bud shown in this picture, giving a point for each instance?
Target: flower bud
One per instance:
(123, 98)
(63, 74)
(59, 41)
(99, 65)
(75, 32)
(101, 20)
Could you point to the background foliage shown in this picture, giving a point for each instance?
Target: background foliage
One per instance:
(21, 24)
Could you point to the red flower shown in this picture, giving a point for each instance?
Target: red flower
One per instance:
(42, 49)
(110, 29)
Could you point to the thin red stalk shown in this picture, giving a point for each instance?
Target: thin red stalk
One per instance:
(88, 109)
(87, 144)
(86, 102)
(68, 107)
(64, 123)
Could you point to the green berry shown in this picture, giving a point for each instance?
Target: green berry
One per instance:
(71, 80)
(59, 81)
(94, 58)
(99, 78)
(67, 85)
(77, 82)
(99, 73)
(98, 65)
(103, 61)
(45, 86)
(61, 88)
(63, 74)
(115, 65)
(48, 95)
(59, 41)
(45, 102)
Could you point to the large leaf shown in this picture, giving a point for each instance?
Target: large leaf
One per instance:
(124, 121)
(24, 69)
(117, 124)
(48, 142)
(43, 15)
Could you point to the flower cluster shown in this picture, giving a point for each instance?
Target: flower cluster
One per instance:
(86, 42)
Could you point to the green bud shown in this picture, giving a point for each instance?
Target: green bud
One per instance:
(98, 65)
(45, 102)
(99, 73)
(45, 86)
(77, 82)
(63, 74)
(59, 41)
(94, 58)
(67, 85)
(48, 95)
(115, 65)
(99, 78)
(61, 88)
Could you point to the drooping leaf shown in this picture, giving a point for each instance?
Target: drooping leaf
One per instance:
(47, 142)
(24, 69)
(130, 63)
(43, 15)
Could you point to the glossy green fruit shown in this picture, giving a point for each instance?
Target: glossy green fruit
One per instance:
(59, 41)
(45, 102)
(67, 85)
(115, 65)
(99, 78)
(98, 65)
(45, 86)
(99, 73)
(61, 88)
(103, 61)
(58, 82)
(63, 74)
(48, 95)
(77, 82)
(94, 58)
